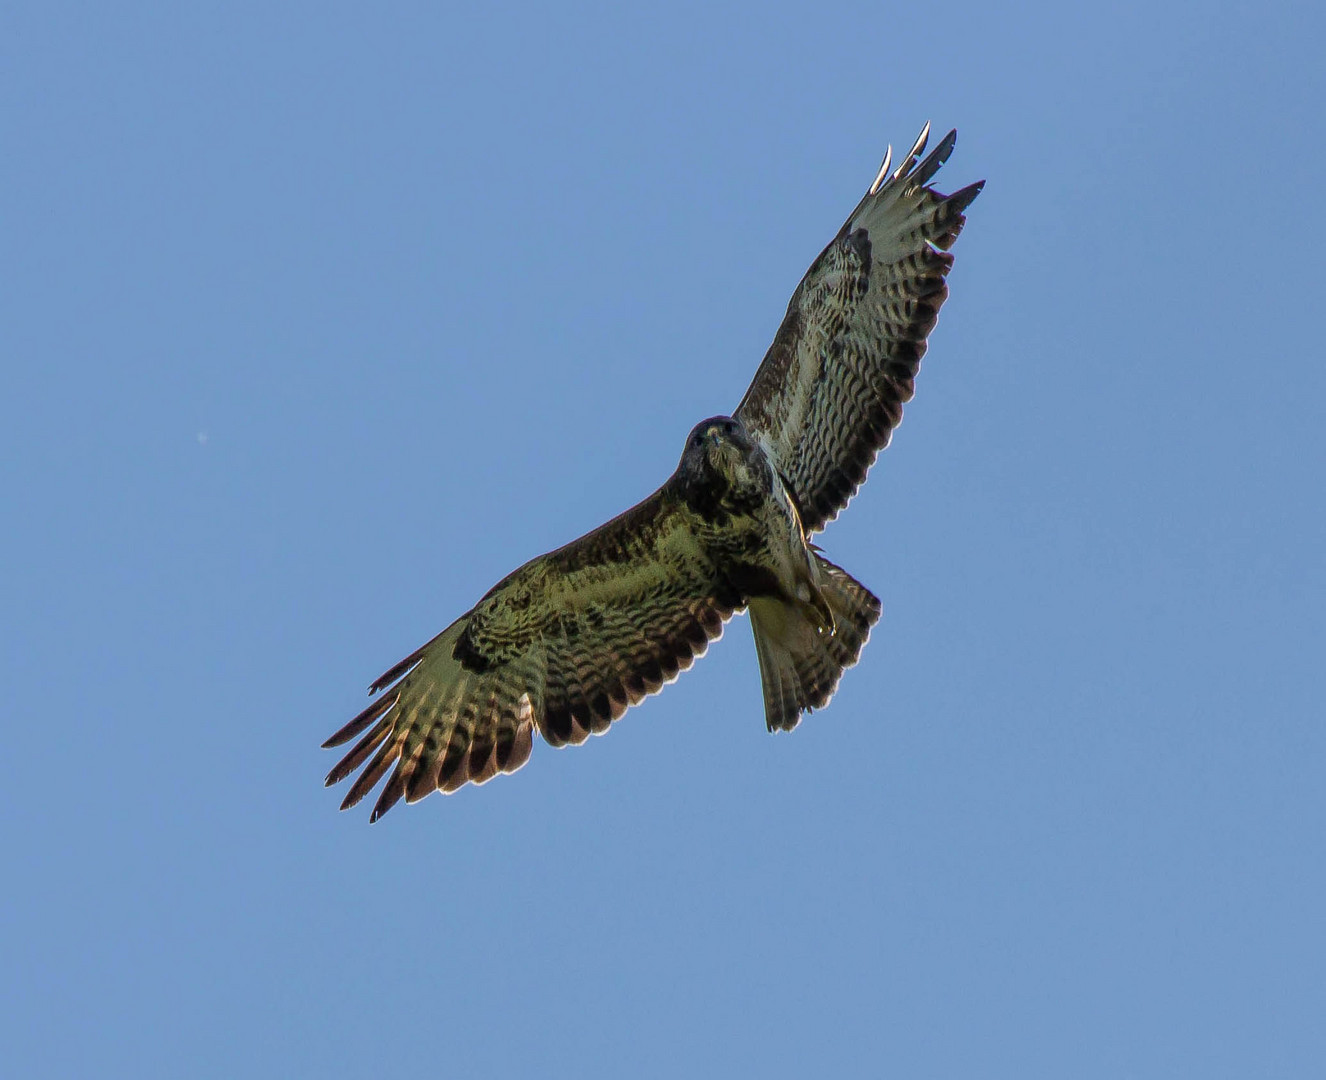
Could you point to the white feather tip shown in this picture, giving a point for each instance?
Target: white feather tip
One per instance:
(883, 171)
(917, 148)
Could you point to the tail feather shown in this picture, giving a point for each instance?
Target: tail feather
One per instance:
(800, 665)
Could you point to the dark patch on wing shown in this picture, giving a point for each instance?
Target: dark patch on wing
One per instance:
(468, 656)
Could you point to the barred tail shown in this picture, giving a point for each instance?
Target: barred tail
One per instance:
(799, 664)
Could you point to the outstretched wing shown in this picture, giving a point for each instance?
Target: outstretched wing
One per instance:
(564, 645)
(831, 388)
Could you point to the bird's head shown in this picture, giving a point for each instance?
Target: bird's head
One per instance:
(722, 457)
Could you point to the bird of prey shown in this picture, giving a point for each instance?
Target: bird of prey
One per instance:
(566, 644)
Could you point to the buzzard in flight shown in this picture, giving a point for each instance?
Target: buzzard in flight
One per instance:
(567, 643)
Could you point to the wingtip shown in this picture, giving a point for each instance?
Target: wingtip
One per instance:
(962, 199)
(398, 671)
(925, 172)
(883, 171)
(375, 711)
(917, 149)
(920, 139)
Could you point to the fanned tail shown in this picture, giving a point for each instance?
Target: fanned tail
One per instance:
(799, 664)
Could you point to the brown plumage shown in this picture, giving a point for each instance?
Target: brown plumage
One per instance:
(568, 642)
(843, 363)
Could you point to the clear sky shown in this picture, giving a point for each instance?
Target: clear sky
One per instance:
(316, 320)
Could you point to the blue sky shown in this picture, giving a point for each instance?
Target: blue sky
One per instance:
(318, 319)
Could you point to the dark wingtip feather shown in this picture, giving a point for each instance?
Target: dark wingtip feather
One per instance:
(960, 200)
(391, 795)
(355, 726)
(926, 170)
(368, 779)
(403, 668)
(356, 757)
